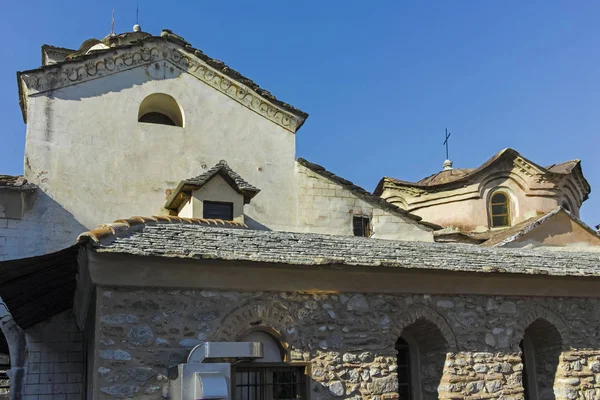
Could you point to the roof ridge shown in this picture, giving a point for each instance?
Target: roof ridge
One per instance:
(241, 183)
(470, 172)
(314, 249)
(237, 183)
(120, 227)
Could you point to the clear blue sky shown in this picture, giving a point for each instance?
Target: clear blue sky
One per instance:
(380, 80)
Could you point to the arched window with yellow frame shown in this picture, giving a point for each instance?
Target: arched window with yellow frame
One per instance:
(499, 210)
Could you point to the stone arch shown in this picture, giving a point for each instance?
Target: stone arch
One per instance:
(428, 338)
(259, 316)
(536, 313)
(161, 108)
(542, 336)
(415, 312)
(17, 349)
(499, 179)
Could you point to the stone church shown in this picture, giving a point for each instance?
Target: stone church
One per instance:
(234, 270)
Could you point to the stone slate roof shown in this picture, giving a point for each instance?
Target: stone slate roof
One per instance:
(18, 182)
(363, 194)
(130, 39)
(222, 168)
(108, 232)
(563, 168)
(148, 238)
(446, 179)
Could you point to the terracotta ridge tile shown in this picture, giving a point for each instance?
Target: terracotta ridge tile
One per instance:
(106, 232)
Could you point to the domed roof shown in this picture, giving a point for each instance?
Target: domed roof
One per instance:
(445, 176)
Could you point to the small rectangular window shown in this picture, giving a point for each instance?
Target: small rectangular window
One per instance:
(218, 210)
(362, 226)
(285, 382)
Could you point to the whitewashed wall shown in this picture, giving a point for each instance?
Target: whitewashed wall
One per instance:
(94, 163)
(86, 149)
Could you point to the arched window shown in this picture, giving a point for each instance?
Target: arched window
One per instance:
(162, 109)
(540, 351)
(499, 210)
(269, 377)
(421, 354)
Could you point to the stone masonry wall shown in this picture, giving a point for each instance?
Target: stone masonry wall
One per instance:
(54, 368)
(327, 207)
(348, 340)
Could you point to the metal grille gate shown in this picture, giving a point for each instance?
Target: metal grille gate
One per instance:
(270, 383)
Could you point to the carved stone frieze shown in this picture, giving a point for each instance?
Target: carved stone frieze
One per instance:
(118, 60)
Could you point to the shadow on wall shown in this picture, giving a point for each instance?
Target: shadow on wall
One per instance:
(541, 348)
(422, 352)
(254, 224)
(160, 70)
(44, 228)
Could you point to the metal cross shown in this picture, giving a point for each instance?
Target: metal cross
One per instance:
(112, 23)
(446, 143)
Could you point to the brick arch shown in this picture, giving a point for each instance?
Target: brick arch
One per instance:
(539, 312)
(419, 311)
(267, 317)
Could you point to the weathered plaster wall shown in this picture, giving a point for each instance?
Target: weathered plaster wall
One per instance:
(327, 207)
(113, 167)
(348, 339)
(88, 153)
(54, 367)
(560, 233)
(467, 207)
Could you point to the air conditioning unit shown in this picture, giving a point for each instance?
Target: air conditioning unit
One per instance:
(199, 378)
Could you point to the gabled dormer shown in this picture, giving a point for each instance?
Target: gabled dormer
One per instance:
(218, 193)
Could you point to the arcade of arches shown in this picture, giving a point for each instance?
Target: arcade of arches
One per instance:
(417, 347)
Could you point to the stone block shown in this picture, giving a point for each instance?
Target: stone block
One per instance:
(39, 389)
(67, 388)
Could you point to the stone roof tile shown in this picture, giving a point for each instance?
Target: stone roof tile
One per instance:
(185, 240)
(221, 168)
(15, 182)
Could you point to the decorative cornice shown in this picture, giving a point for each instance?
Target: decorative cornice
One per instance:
(529, 170)
(113, 61)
